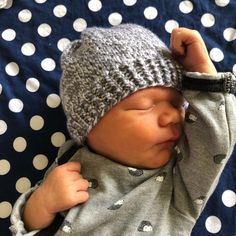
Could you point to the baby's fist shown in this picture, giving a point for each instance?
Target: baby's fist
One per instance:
(64, 188)
(190, 50)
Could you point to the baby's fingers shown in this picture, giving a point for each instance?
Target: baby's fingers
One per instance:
(183, 38)
(176, 45)
(81, 184)
(82, 196)
(72, 166)
(190, 50)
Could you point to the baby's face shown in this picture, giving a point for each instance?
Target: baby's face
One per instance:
(142, 130)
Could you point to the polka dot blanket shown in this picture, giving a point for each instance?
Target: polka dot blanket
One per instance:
(32, 124)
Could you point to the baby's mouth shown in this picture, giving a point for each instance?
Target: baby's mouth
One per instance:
(176, 134)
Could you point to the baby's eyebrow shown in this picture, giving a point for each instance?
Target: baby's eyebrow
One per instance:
(136, 97)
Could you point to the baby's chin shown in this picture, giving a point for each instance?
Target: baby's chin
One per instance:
(156, 161)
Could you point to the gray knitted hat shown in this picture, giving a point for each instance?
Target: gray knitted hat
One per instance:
(107, 65)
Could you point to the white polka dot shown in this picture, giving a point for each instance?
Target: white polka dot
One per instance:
(19, 144)
(186, 7)
(3, 3)
(3, 127)
(40, 162)
(9, 34)
(5, 167)
(28, 49)
(15, 105)
(23, 184)
(208, 20)
(25, 15)
(213, 224)
(36, 122)
(115, 18)
(95, 5)
(32, 85)
(234, 69)
(229, 34)
(222, 3)
(62, 44)
(170, 25)
(12, 69)
(53, 100)
(8, 4)
(216, 55)
(150, 13)
(5, 209)
(129, 2)
(58, 139)
(48, 64)
(0, 89)
(229, 198)
(79, 25)
(44, 30)
(40, 1)
(59, 11)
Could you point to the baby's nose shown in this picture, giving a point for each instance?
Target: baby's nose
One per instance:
(170, 115)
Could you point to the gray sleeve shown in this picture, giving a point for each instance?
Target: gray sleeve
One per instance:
(17, 225)
(210, 136)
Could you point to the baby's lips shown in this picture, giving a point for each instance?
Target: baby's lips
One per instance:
(176, 134)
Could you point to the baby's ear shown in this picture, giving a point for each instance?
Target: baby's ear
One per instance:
(68, 55)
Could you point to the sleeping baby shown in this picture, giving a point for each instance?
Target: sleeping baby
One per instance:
(152, 130)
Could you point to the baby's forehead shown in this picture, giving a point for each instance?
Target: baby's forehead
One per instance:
(155, 93)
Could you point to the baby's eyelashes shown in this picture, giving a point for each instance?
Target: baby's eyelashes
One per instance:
(144, 107)
(146, 104)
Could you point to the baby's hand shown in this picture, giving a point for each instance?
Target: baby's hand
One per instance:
(190, 50)
(64, 188)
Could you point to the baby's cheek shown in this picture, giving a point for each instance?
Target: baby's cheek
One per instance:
(152, 137)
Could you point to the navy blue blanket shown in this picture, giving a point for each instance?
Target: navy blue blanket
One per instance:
(32, 124)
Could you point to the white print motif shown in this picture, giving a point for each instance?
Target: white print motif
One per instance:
(177, 149)
(220, 158)
(116, 205)
(132, 169)
(221, 106)
(135, 172)
(119, 202)
(192, 117)
(160, 178)
(147, 228)
(178, 153)
(93, 183)
(200, 200)
(66, 229)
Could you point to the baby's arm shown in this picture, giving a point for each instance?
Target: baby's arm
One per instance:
(210, 126)
(62, 189)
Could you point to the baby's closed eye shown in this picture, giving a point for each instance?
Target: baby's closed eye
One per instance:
(141, 105)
